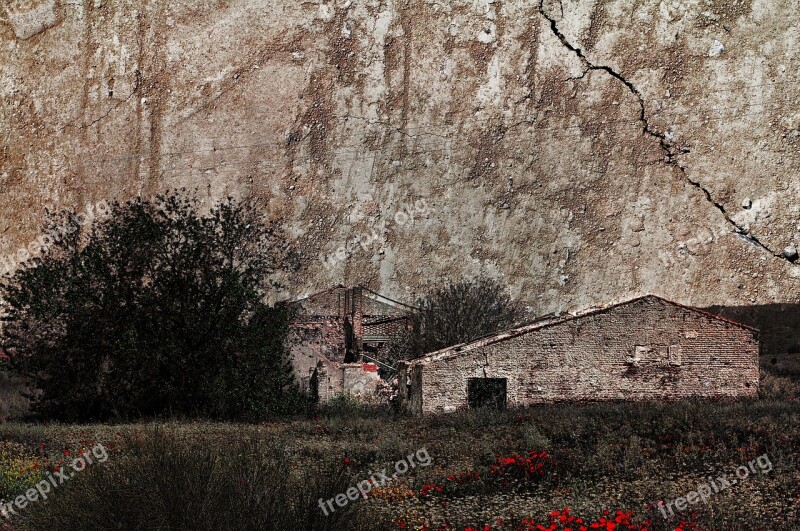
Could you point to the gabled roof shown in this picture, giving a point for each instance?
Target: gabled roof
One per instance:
(702, 312)
(365, 292)
(374, 295)
(548, 321)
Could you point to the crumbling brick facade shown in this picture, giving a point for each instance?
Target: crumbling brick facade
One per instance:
(644, 349)
(355, 379)
(337, 337)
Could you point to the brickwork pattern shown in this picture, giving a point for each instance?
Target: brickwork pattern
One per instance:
(319, 339)
(647, 349)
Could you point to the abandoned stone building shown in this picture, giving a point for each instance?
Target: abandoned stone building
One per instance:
(644, 349)
(338, 339)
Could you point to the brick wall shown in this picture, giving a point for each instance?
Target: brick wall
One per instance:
(681, 353)
(311, 341)
(354, 379)
(320, 333)
(392, 328)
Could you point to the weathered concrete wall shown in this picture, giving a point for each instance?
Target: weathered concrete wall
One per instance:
(309, 342)
(327, 381)
(680, 354)
(586, 150)
(358, 380)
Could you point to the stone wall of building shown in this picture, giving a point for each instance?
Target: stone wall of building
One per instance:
(357, 380)
(644, 350)
(360, 380)
(311, 341)
(333, 330)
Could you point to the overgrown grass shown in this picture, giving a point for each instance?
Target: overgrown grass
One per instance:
(158, 480)
(271, 476)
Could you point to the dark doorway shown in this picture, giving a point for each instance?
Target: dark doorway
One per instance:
(486, 392)
(313, 386)
(350, 345)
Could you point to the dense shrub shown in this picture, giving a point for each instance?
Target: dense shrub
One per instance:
(456, 313)
(778, 387)
(156, 309)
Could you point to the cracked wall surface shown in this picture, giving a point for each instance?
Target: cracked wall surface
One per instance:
(585, 151)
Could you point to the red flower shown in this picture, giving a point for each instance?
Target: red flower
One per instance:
(66, 451)
(428, 487)
(346, 460)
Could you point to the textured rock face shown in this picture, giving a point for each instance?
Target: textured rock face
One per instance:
(585, 151)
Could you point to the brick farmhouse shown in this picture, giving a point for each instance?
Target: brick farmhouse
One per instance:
(339, 336)
(643, 349)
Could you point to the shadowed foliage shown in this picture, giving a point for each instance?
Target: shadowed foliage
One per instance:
(156, 309)
(457, 313)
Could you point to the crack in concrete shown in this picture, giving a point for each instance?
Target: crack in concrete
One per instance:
(670, 150)
(73, 123)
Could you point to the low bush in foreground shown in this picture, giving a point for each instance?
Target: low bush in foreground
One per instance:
(158, 481)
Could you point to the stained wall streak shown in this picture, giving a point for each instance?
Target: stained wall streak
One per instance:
(545, 139)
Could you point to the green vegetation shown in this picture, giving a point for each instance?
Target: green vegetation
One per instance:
(156, 309)
(456, 313)
(486, 468)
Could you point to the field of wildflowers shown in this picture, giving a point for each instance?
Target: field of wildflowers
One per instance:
(22, 466)
(558, 468)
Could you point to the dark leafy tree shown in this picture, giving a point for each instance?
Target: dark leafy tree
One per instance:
(154, 310)
(457, 313)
